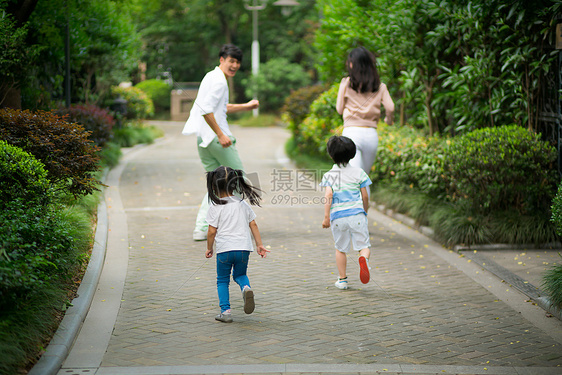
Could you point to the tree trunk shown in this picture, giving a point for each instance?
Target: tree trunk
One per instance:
(428, 99)
(10, 98)
(21, 10)
(429, 112)
(403, 110)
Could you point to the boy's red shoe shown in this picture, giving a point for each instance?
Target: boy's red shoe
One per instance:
(364, 274)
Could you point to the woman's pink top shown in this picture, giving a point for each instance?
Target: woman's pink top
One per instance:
(363, 109)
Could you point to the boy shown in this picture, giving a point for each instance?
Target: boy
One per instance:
(207, 119)
(345, 209)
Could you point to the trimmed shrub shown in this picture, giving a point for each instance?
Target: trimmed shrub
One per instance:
(158, 91)
(297, 106)
(139, 105)
(135, 133)
(22, 177)
(34, 243)
(408, 158)
(492, 169)
(96, 120)
(322, 122)
(502, 168)
(69, 157)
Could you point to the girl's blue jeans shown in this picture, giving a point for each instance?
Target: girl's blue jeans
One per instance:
(227, 262)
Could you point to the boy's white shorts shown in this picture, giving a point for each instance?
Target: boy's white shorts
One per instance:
(351, 230)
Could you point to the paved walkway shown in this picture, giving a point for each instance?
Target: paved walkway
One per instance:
(427, 310)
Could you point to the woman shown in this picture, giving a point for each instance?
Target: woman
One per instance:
(359, 101)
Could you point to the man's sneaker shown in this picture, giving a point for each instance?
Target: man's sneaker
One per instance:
(225, 317)
(249, 304)
(341, 283)
(364, 274)
(199, 235)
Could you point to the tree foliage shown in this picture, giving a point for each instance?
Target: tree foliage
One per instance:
(275, 81)
(182, 38)
(104, 49)
(452, 65)
(15, 56)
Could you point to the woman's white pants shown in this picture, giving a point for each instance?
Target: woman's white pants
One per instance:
(367, 141)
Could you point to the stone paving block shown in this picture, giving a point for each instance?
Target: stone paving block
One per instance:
(418, 309)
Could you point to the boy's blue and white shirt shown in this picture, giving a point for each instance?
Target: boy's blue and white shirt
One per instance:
(346, 184)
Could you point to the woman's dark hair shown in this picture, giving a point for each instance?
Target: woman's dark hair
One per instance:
(228, 180)
(341, 149)
(232, 51)
(362, 68)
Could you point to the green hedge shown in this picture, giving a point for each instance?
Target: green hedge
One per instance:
(297, 106)
(139, 105)
(158, 91)
(320, 124)
(502, 168)
(490, 185)
(22, 177)
(408, 158)
(488, 170)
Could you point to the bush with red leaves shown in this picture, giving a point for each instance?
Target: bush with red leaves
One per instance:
(94, 119)
(70, 158)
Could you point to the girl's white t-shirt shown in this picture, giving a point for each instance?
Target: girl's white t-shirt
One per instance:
(232, 221)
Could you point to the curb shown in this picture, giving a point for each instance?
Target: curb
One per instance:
(59, 347)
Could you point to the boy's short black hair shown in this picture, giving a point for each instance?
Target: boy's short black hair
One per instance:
(341, 149)
(232, 51)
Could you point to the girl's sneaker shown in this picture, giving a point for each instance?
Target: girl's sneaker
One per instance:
(225, 316)
(341, 283)
(249, 304)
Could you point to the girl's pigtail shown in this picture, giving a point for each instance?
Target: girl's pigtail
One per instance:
(247, 190)
(212, 188)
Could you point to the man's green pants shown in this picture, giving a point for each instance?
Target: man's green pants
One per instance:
(212, 157)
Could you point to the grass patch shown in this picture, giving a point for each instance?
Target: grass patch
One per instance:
(304, 160)
(135, 133)
(25, 330)
(28, 323)
(455, 224)
(247, 119)
(162, 115)
(110, 155)
(552, 284)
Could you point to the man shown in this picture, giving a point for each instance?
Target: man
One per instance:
(207, 119)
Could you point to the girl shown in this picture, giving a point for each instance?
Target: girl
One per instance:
(231, 220)
(359, 101)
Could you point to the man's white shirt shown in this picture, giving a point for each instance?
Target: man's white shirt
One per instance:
(212, 97)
